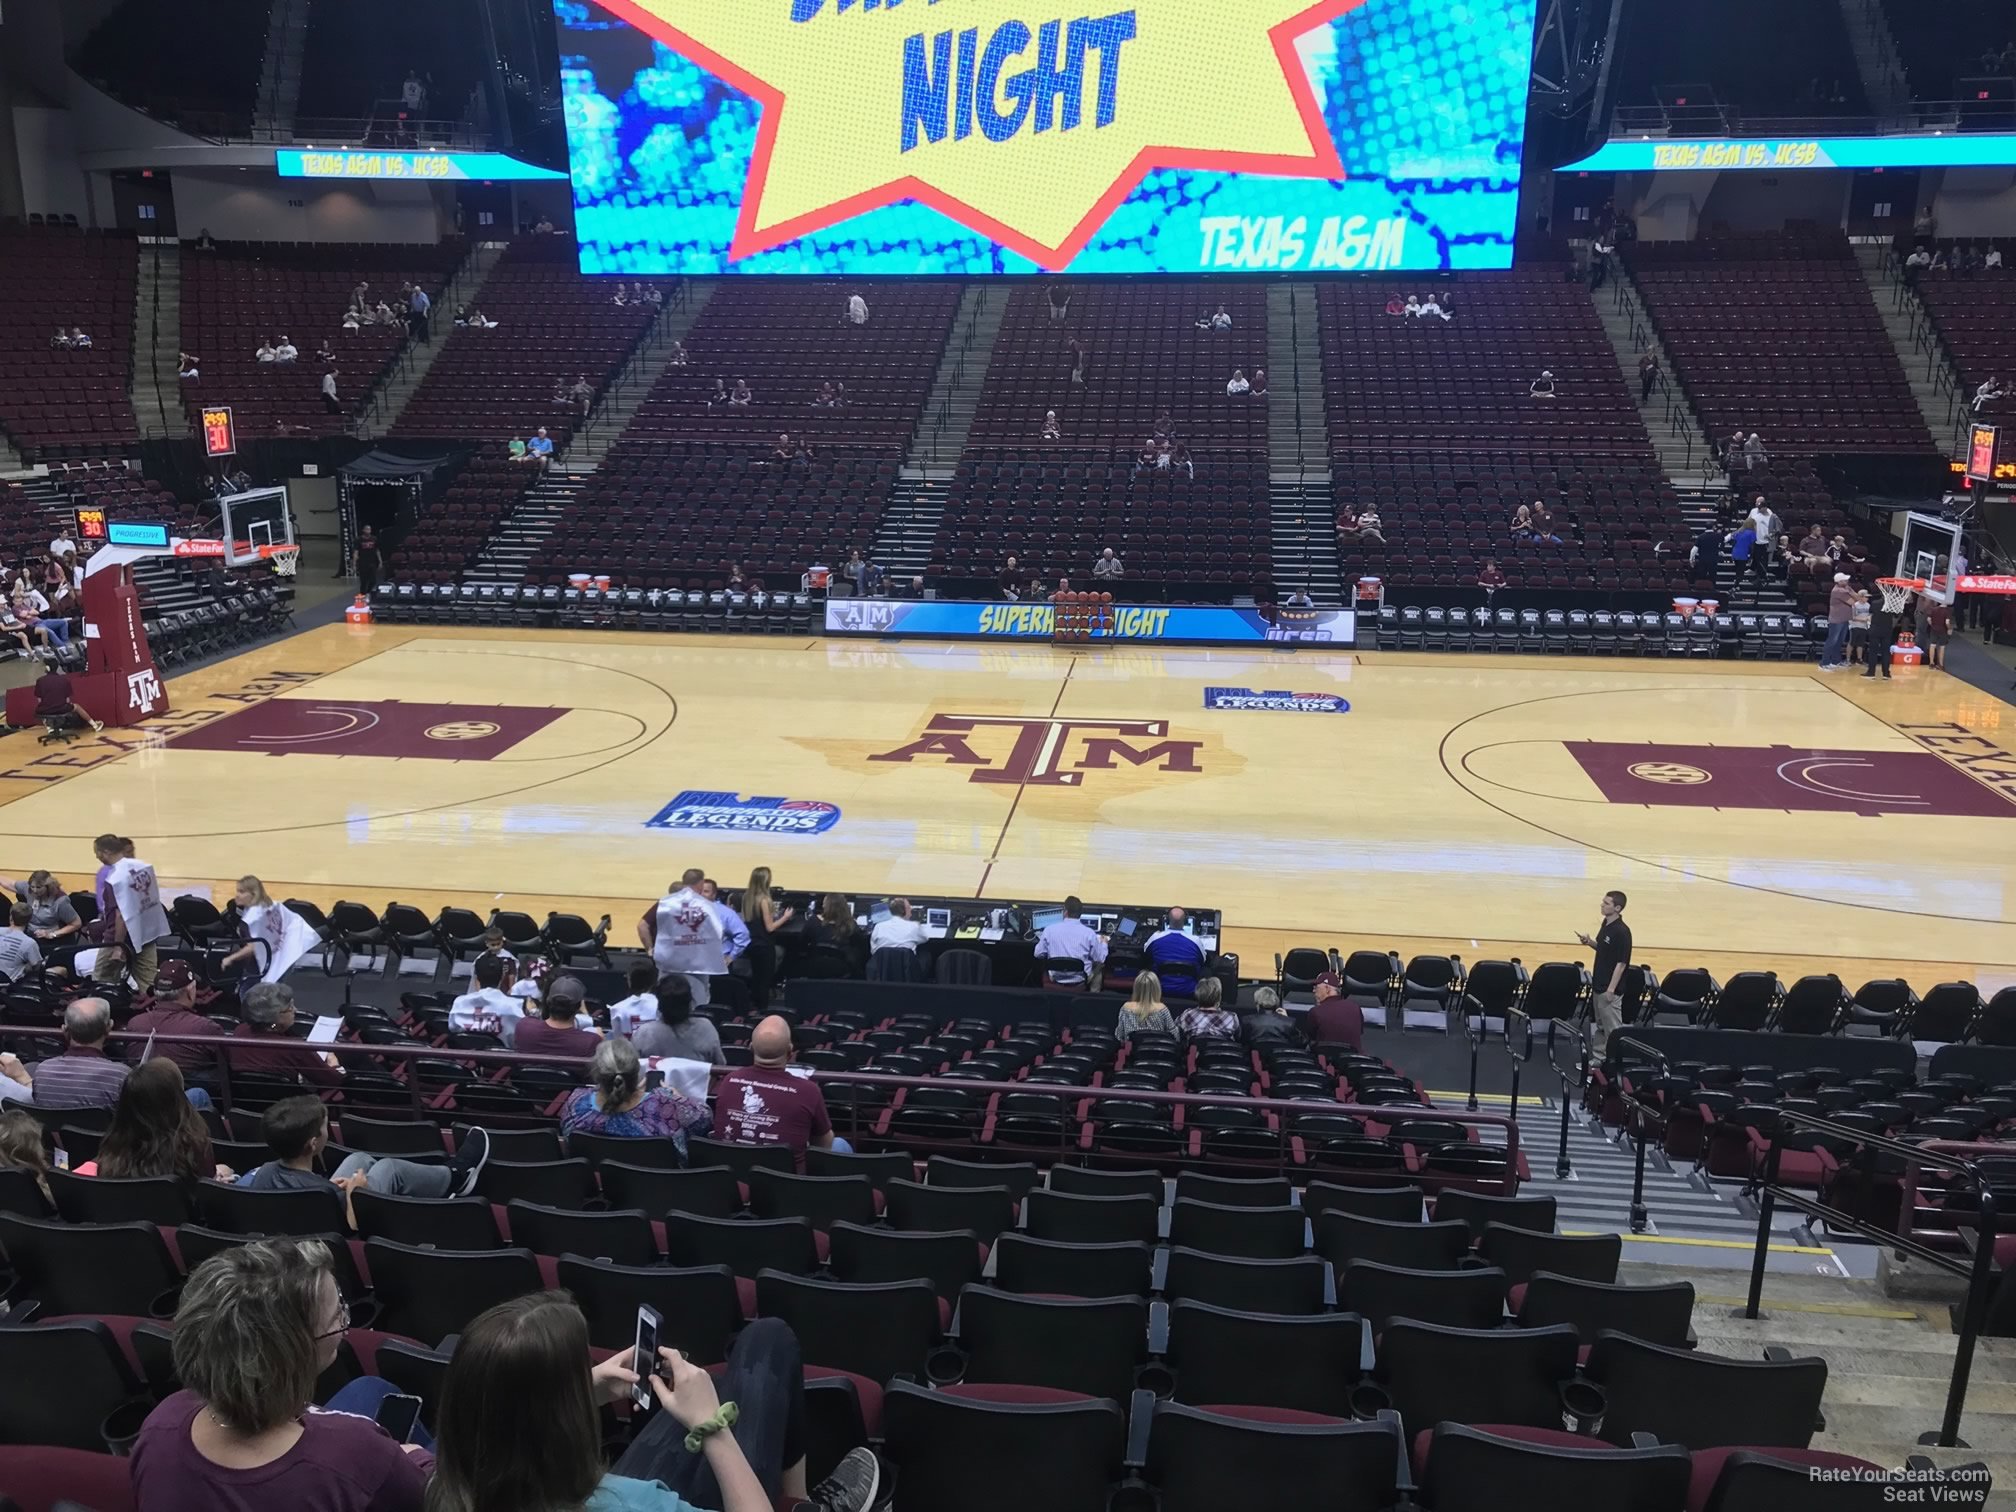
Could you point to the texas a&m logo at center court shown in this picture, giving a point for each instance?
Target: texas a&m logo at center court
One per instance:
(1046, 752)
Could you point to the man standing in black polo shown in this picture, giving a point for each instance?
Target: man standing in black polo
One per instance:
(1613, 954)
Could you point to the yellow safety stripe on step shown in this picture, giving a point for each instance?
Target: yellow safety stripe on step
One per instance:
(1525, 1100)
(1735, 1244)
(1836, 1309)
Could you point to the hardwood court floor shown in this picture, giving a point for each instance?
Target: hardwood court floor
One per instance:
(1757, 814)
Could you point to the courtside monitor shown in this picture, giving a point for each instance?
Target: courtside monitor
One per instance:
(844, 137)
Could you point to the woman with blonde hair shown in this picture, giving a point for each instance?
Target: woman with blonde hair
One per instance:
(255, 1327)
(763, 916)
(1145, 1012)
(285, 935)
(51, 916)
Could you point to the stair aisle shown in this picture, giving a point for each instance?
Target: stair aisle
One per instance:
(155, 383)
(626, 394)
(1301, 515)
(517, 548)
(1934, 384)
(402, 380)
(910, 523)
(962, 369)
(1669, 418)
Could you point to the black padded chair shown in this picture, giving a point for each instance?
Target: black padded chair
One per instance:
(880, 1331)
(550, 1183)
(1092, 1220)
(1473, 1297)
(703, 1191)
(962, 1447)
(1545, 1471)
(1263, 1359)
(112, 1269)
(429, 1294)
(1344, 1237)
(700, 1304)
(861, 1254)
(622, 1238)
(1051, 1267)
(1081, 1181)
(916, 1208)
(745, 1246)
(1228, 1191)
(659, 1154)
(68, 1385)
(1511, 1376)
(1478, 1209)
(1392, 1204)
(107, 1199)
(1704, 1401)
(1519, 1252)
(1254, 1233)
(1092, 1346)
(1202, 1460)
(452, 1223)
(1294, 1288)
(821, 1201)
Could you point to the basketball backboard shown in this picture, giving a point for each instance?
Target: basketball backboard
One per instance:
(1926, 553)
(254, 524)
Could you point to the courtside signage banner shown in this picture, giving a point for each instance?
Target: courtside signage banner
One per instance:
(1985, 149)
(841, 137)
(1200, 624)
(1278, 702)
(697, 810)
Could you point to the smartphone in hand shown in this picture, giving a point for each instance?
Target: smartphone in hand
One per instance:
(397, 1414)
(644, 1362)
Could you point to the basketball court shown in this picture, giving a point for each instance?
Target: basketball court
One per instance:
(1757, 814)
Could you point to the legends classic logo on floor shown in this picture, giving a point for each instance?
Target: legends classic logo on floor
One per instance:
(1786, 777)
(697, 810)
(370, 727)
(1278, 700)
(1045, 752)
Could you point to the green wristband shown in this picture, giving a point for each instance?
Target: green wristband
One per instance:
(724, 1417)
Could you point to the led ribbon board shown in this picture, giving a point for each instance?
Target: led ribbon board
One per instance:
(1973, 150)
(1024, 136)
(419, 167)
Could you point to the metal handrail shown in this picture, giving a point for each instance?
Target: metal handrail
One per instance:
(1977, 1269)
(1571, 1088)
(1285, 1108)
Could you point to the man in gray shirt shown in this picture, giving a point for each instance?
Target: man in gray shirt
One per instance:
(18, 950)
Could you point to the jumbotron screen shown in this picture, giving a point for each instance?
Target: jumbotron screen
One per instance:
(997, 136)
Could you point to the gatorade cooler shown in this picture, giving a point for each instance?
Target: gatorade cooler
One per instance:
(359, 612)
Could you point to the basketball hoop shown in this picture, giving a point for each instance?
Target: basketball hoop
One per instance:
(1897, 592)
(286, 560)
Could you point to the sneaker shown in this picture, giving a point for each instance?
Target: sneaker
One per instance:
(468, 1162)
(854, 1486)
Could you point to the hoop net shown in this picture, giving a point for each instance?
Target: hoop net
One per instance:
(1897, 592)
(286, 560)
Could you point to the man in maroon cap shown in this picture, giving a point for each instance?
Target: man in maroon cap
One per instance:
(1335, 1019)
(174, 1012)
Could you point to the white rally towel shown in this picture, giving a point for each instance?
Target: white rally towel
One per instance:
(689, 936)
(137, 893)
(689, 1078)
(287, 936)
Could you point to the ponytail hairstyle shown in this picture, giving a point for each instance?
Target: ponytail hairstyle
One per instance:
(616, 1073)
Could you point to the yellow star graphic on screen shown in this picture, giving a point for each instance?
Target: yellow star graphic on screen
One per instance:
(1030, 129)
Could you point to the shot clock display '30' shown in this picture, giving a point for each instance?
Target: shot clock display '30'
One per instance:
(1026, 136)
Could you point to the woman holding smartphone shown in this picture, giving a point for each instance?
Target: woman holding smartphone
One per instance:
(519, 1431)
